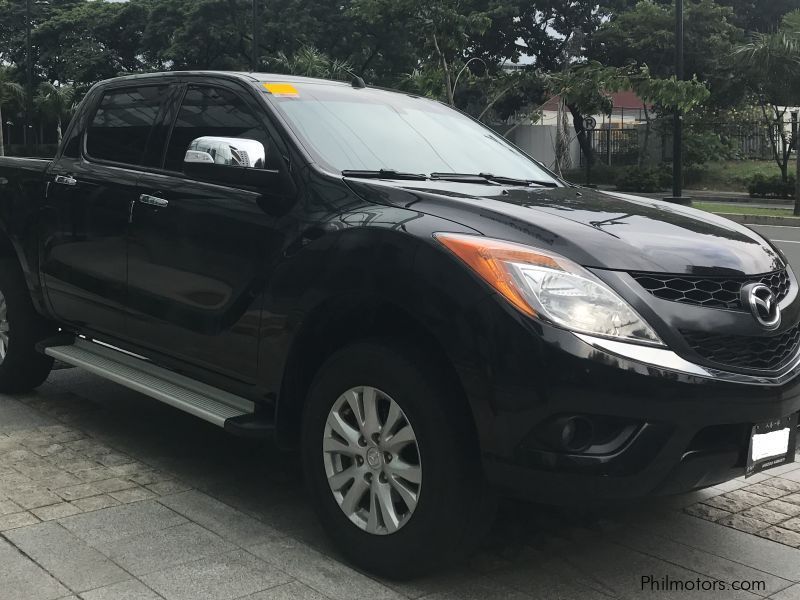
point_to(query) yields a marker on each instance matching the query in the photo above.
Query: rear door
(90, 194)
(199, 249)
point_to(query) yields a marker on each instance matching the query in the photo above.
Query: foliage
(707, 146)
(198, 34)
(310, 62)
(457, 51)
(762, 186)
(645, 34)
(440, 30)
(644, 179)
(545, 30)
(770, 68)
(55, 103)
(760, 15)
(586, 90)
(10, 92)
(590, 86)
(791, 22)
(90, 41)
(728, 175)
(602, 175)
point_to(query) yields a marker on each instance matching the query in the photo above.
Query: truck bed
(10, 164)
(21, 179)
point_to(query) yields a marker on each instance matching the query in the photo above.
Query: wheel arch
(342, 321)
(11, 250)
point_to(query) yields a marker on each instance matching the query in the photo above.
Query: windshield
(368, 129)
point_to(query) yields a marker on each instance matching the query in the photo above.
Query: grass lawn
(732, 175)
(742, 209)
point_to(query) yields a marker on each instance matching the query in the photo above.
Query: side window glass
(208, 111)
(123, 123)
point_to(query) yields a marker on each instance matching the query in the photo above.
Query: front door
(84, 254)
(199, 250)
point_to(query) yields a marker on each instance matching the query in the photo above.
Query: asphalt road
(786, 238)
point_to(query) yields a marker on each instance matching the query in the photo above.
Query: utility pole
(29, 68)
(255, 53)
(677, 132)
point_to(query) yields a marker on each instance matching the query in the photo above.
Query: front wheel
(391, 462)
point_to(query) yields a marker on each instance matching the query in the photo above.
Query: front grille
(710, 292)
(746, 352)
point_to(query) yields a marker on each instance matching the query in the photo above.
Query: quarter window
(209, 111)
(123, 123)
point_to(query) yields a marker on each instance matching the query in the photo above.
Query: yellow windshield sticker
(281, 89)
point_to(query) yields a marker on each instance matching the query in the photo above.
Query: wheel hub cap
(372, 460)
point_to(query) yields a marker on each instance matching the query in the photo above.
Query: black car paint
(276, 280)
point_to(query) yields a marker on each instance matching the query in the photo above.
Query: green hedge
(644, 179)
(764, 186)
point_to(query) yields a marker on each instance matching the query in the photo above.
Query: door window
(210, 111)
(123, 123)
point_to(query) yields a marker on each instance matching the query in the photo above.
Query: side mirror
(235, 161)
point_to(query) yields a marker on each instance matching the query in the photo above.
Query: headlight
(551, 287)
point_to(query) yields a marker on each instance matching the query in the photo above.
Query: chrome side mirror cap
(230, 152)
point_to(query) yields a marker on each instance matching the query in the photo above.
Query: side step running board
(209, 403)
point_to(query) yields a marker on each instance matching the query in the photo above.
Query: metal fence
(615, 146)
(625, 147)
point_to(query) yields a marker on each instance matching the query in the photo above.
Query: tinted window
(122, 124)
(208, 111)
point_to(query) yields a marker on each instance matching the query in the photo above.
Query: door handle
(65, 180)
(153, 201)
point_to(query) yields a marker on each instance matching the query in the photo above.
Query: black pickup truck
(426, 312)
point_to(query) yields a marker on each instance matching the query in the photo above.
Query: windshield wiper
(488, 177)
(384, 174)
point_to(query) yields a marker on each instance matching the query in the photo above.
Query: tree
(440, 31)
(10, 92)
(310, 62)
(770, 66)
(540, 31)
(762, 16)
(645, 34)
(13, 47)
(587, 89)
(55, 102)
(91, 41)
(199, 34)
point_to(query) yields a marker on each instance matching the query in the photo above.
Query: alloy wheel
(372, 460)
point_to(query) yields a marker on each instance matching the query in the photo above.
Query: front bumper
(679, 429)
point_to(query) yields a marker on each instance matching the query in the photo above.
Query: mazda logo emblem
(762, 304)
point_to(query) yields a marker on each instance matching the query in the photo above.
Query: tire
(453, 506)
(22, 368)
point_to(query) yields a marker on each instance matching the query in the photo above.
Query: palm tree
(55, 102)
(770, 63)
(310, 62)
(10, 91)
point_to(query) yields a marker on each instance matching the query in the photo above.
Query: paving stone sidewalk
(106, 494)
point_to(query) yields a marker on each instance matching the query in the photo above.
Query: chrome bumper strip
(667, 359)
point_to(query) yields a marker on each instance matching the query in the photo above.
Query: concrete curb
(762, 220)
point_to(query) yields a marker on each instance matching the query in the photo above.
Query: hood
(593, 228)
